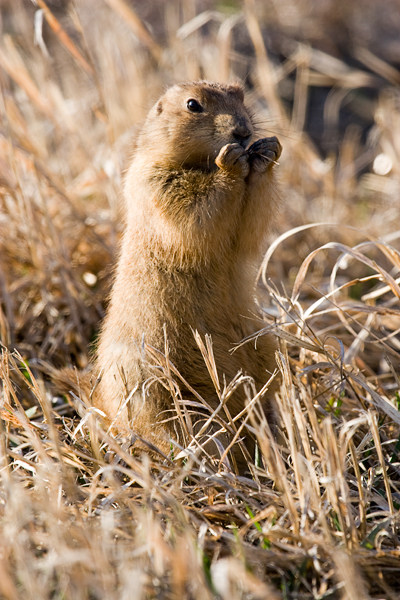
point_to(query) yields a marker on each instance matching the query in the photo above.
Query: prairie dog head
(192, 121)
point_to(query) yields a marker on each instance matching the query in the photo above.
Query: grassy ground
(81, 516)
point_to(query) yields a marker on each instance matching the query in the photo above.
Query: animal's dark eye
(193, 105)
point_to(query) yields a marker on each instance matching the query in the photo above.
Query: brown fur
(198, 206)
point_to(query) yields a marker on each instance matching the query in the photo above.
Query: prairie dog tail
(68, 380)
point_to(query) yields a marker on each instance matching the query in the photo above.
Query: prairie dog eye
(193, 105)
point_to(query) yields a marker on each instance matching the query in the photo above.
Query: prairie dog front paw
(263, 153)
(233, 158)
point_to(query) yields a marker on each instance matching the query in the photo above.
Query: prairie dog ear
(237, 89)
(159, 107)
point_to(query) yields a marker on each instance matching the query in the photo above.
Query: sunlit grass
(82, 513)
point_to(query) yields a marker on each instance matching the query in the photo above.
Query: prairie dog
(200, 195)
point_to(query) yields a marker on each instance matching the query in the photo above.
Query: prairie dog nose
(242, 133)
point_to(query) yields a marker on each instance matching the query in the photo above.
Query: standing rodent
(199, 201)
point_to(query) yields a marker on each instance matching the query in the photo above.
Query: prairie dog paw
(263, 153)
(233, 158)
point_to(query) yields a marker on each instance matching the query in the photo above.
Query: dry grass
(318, 515)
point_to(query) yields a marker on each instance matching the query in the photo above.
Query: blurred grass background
(81, 516)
